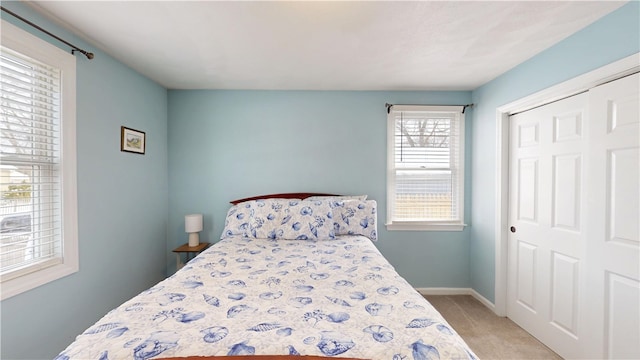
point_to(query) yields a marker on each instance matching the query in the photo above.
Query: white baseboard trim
(444, 291)
(483, 300)
(458, 291)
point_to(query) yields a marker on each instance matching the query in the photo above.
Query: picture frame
(132, 140)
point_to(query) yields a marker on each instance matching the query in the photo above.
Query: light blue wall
(613, 37)
(225, 145)
(122, 206)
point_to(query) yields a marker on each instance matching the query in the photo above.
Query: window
(425, 181)
(38, 206)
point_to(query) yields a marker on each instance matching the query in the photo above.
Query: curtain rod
(464, 107)
(89, 55)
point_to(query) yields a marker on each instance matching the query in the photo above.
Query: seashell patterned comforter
(334, 298)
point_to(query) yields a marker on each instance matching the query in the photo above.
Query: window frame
(25, 43)
(424, 225)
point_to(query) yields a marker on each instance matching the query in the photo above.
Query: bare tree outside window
(420, 132)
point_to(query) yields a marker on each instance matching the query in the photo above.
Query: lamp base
(194, 239)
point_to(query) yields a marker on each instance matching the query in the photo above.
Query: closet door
(574, 253)
(545, 291)
(613, 218)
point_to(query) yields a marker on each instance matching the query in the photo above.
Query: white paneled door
(573, 258)
(612, 229)
(547, 222)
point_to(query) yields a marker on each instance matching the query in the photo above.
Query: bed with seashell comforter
(269, 289)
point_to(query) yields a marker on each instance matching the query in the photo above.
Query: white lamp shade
(193, 223)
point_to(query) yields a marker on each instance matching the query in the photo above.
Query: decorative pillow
(237, 220)
(240, 216)
(265, 215)
(355, 217)
(291, 219)
(340, 197)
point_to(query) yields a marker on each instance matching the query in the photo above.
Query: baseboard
(483, 300)
(444, 291)
(458, 291)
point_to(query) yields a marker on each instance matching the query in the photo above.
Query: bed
(292, 276)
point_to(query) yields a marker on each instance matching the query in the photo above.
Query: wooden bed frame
(301, 195)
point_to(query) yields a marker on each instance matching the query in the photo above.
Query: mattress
(330, 298)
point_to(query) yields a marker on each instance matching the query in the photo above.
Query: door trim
(581, 83)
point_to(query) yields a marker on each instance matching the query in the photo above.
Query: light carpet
(488, 335)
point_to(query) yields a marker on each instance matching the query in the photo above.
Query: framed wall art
(132, 140)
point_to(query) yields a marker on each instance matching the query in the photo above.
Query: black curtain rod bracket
(389, 106)
(89, 55)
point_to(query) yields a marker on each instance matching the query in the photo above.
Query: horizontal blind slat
(15, 99)
(29, 87)
(32, 159)
(18, 114)
(38, 138)
(24, 65)
(15, 160)
(27, 79)
(14, 116)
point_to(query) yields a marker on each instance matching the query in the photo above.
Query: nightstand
(190, 251)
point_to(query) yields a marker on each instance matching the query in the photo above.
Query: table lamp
(193, 225)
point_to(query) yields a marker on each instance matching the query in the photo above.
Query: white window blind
(30, 153)
(425, 167)
(38, 216)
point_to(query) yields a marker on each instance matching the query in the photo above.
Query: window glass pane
(16, 215)
(423, 195)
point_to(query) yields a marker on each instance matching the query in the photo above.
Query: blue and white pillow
(355, 217)
(292, 219)
(265, 217)
(237, 220)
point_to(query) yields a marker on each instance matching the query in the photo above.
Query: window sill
(411, 226)
(18, 285)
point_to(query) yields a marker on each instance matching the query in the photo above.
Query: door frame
(581, 83)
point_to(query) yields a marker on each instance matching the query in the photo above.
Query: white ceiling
(419, 45)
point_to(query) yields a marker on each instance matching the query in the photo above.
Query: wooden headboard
(280, 196)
